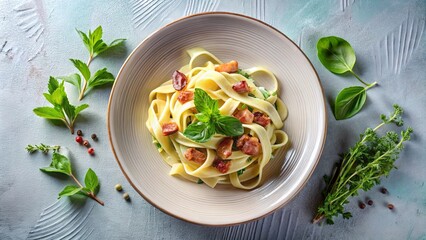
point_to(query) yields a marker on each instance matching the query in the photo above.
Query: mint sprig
(61, 164)
(210, 121)
(96, 46)
(62, 110)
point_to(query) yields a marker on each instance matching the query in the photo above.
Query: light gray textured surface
(37, 38)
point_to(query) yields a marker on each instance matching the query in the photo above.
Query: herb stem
(90, 194)
(83, 89)
(76, 180)
(357, 77)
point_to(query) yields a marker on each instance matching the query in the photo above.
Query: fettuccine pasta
(195, 143)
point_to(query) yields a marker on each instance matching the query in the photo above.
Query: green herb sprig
(61, 164)
(210, 121)
(42, 148)
(372, 157)
(62, 110)
(96, 46)
(338, 56)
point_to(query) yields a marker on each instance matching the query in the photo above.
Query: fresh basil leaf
(69, 190)
(199, 132)
(85, 39)
(59, 164)
(82, 67)
(228, 126)
(49, 113)
(80, 108)
(349, 102)
(202, 117)
(204, 103)
(53, 84)
(336, 54)
(73, 79)
(91, 180)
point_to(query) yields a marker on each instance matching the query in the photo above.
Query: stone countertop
(38, 37)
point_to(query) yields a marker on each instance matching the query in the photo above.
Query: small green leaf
(53, 84)
(85, 39)
(82, 67)
(68, 109)
(57, 97)
(336, 54)
(59, 164)
(204, 103)
(202, 117)
(69, 190)
(91, 180)
(49, 113)
(241, 171)
(264, 92)
(349, 102)
(96, 35)
(244, 74)
(101, 77)
(80, 108)
(229, 126)
(199, 132)
(116, 42)
(73, 79)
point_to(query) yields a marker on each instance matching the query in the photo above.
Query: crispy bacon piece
(229, 67)
(179, 80)
(169, 128)
(193, 154)
(185, 96)
(249, 145)
(261, 118)
(241, 87)
(221, 165)
(245, 116)
(224, 149)
(242, 140)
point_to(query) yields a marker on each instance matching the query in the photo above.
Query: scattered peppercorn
(391, 206)
(86, 143)
(79, 132)
(79, 139)
(370, 202)
(94, 137)
(91, 151)
(383, 190)
(126, 196)
(361, 205)
(118, 187)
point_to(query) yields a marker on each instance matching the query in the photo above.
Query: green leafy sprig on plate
(61, 164)
(372, 157)
(337, 55)
(210, 121)
(62, 110)
(96, 46)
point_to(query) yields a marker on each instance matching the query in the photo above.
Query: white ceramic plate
(228, 36)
